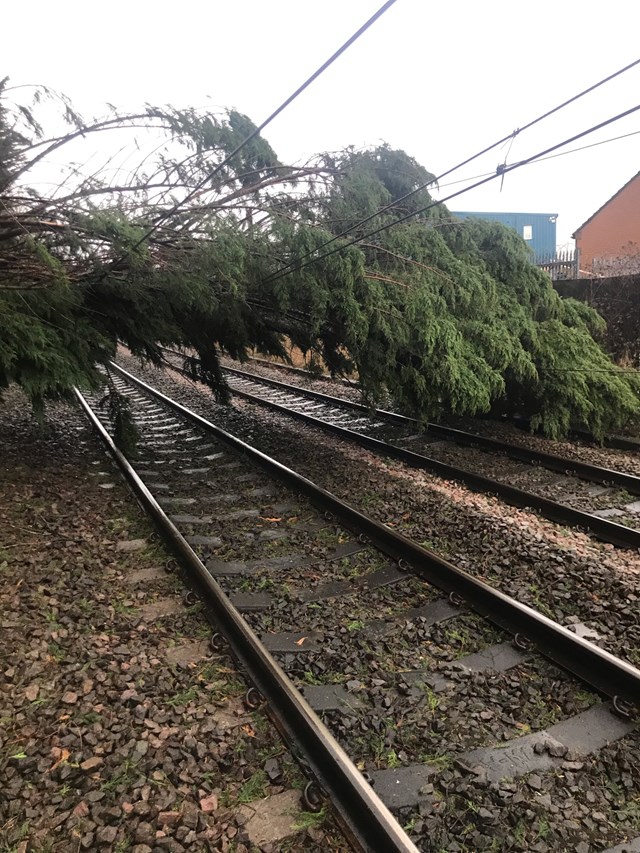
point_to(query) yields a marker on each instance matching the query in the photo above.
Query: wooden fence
(560, 265)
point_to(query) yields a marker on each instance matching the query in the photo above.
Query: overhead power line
(550, 157)
(497, 174)
(267, 121)
(294, 264)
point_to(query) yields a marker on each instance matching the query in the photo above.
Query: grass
(255, 583)
(310, 820)
(44, 846)
(431, 698)
(539, 603)
(259, 723)
(56, 651)
(254, 788)
(543, 827)
(584, 697)
(85, 606)
(392, 759)
(52, 619)
(123, 609)
(370, 499)
(20, 834)
(218, 689)
(89, 718)
(274, 751)
(184, 697)
(197, 631)
(630, 811)
(520, 832)
(457, 637)
(546, 713)
(327, 536)
(438, 762)
(124, 777)
(376, 743)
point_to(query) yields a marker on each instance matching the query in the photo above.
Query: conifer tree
(441, 315)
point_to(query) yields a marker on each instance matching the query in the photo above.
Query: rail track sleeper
(551, 461)
(607, 674)
(613, 441)
(608, 531)
(367, 822)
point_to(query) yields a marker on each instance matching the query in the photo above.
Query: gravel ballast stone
(570, 578)
(118, 731)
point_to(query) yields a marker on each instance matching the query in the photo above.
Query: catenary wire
(510, 137)
(550, 157)
(498, 173)
(267, 121)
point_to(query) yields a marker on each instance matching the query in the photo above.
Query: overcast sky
(440, 80)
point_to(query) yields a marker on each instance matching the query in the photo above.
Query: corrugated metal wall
(537, 229)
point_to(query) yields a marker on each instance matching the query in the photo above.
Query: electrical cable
(267, 121)
(551, 157)
(511, 136)
(502, 170)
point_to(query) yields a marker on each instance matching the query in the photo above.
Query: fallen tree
(179, 248)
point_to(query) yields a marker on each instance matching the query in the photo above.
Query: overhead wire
(508, 138)
(351, 40)
(498, 173)
(543, 159)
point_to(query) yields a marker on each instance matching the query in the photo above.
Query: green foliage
(443, 316)
(48, 343)
(125, 432)
(448, 316)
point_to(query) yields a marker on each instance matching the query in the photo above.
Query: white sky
(439, 79)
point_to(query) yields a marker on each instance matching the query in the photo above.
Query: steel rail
(309, 374)
(367, 820)
(583, 470)
(601, 528)
(619, 442)
(608, 674)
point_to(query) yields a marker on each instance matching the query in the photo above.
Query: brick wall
(612, 235)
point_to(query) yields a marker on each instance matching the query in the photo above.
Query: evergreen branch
(386, 278)
(408, 260)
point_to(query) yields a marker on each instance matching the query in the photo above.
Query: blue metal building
(537, 229)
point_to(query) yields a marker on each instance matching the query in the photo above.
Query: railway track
(389, 671)
(598, 500)
(618, 442)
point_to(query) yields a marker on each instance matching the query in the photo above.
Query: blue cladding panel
(537, 229)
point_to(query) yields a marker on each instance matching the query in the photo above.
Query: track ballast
(374, 648)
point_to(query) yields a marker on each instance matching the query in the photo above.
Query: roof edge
(602, 206)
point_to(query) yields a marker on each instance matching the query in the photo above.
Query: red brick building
(608, 243)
